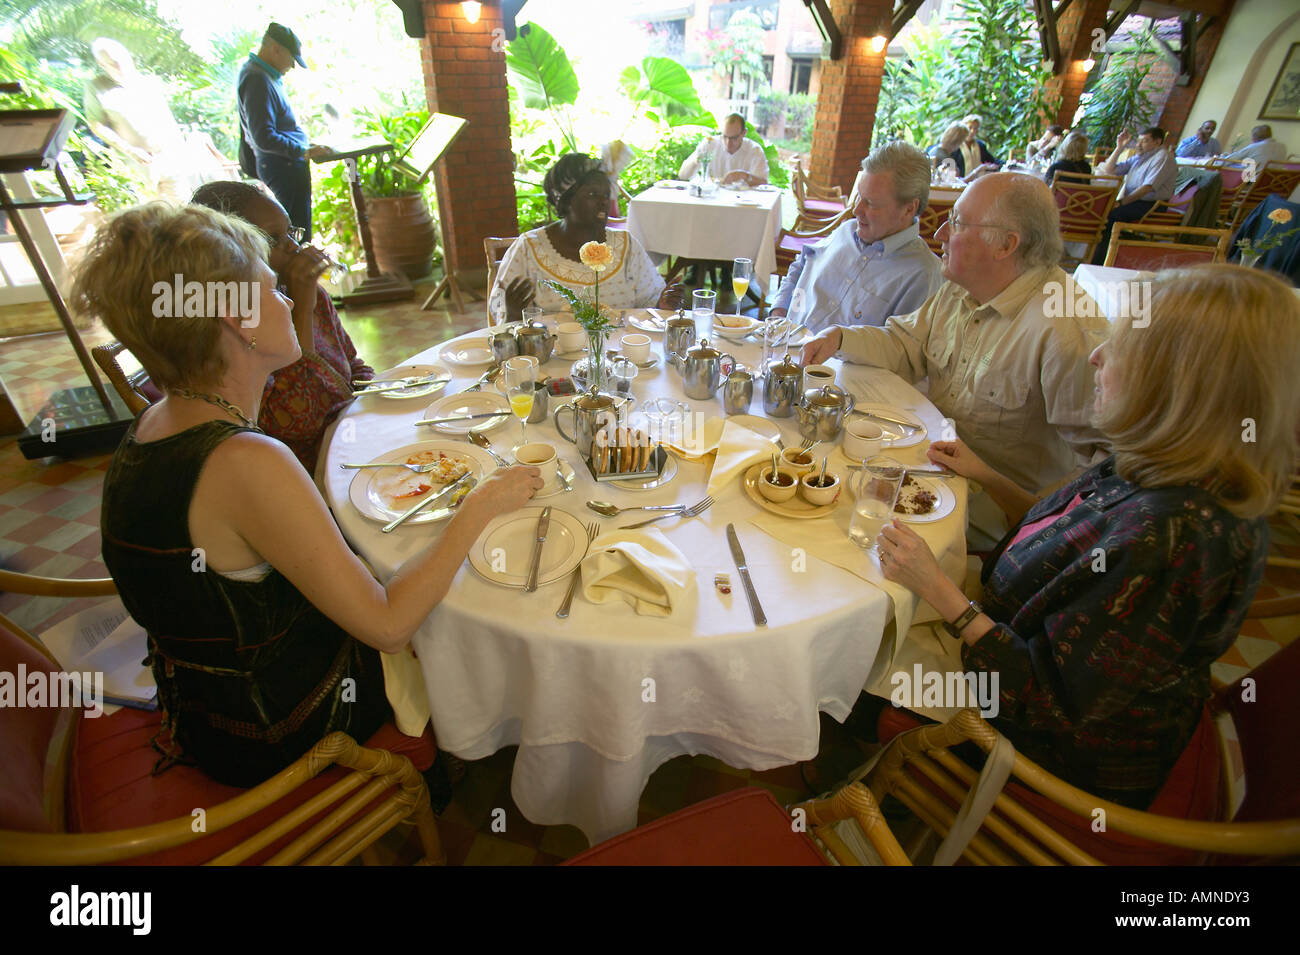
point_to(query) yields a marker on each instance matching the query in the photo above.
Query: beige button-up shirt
(1012, 374)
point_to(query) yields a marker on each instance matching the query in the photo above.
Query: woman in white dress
(578, 190)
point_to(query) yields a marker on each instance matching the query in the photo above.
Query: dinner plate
(645, 320)
(747, 201)
(894, 436)
(796, 507)
(467, 403)
(945, 501)
(412, 371)
(374, 491)
(473, 351)
(767, 187)
(502, 552)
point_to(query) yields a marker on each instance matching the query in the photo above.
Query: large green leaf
(540, 69)
(669, 85)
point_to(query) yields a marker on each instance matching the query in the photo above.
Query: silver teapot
(535, 339)
(679, 335)
(591, 412)
(702, 370)
(504, 344)
(782, 385)
(822, 412)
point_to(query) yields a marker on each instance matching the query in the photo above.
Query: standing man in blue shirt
(876, 264)
(1200, 143)
(272, 147)
(1148, 178)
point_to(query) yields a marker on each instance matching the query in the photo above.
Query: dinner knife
(877, 416)
(738, 555)
(384, 388)
(467, 417)
(543, 524)
(459, 482)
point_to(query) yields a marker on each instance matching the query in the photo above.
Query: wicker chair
(134, 388)
(300, 815)
(790, 242)
(1275, 178)
(934, 215)
(1146, 251)
(919, 770)
(1085, 208)
(495, 249)
(1234, 188)
(815, 199)
(1175, 211)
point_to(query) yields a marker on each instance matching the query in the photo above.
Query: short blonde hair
(972, 118)
(1210, 394)
(953, 137)
(1074, 147)
(139, 247)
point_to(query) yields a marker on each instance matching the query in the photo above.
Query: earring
(252, 343)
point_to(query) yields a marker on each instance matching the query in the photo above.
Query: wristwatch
(957, 626)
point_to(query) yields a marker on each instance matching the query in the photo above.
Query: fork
(414, 468)
(695, 510)
(807, 444)
(593, 531)
(484, 378)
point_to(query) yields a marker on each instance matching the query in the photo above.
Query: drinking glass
(876, 492)
(533, 313)
(742, 270)
(702, 309)
(520, 377)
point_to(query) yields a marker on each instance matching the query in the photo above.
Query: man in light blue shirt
(1263, 147)
(1201, 143)
(875, 265)
(1148, 178)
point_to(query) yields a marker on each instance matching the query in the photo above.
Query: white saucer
(894, 437)
(558, 488)
(473, 351)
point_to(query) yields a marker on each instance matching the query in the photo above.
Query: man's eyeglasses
(734, 139)
(956, 224)
(295, 235)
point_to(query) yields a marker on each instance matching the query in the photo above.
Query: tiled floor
(49, 524)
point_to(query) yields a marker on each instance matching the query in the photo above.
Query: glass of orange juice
(520, 375)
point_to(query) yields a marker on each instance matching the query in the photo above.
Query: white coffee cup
(862, 440)
(539, 455)
(818, 376)
(572, 336)
(636, 347)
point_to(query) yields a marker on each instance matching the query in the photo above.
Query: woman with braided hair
(578, 190)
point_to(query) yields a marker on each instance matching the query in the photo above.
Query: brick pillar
(465, 75)
(1173, 118)
(849, 92)
(1075, 31)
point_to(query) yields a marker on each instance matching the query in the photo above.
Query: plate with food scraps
(503, 552)
(796, 507)
(734, 327)
(895, 437)
(382, 494)
(648, 320)
(468, 403)
(433, 372)
(471, 351)
(924, 500)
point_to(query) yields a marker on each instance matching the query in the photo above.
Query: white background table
(722, 227)
(501, 669)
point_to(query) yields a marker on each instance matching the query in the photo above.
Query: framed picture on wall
(1283, 100)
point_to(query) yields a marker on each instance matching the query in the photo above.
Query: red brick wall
(464, 75)
(849, 93)
(1173, 118)
(1075, 30)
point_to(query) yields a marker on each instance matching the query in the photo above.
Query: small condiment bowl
(778, 493)
(802, 465)
(819, 496)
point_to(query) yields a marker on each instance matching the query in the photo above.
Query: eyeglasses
(956, 225)
(295, 235)
(734, 139)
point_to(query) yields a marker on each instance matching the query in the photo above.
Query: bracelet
(963, 621)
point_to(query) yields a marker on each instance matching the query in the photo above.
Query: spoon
(477, 438)
(612, 510)
(773, 477)
(822, 482)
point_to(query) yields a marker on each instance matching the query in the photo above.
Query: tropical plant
(540, 70)
(1118, 100)
(205, 98)
(736, 51)
(909, 91)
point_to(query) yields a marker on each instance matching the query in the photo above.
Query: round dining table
(596, 702)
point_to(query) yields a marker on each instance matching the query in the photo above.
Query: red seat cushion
(1192, 791)
(111, 786)
(24, 742)
(823, 205)
(1265, 726)
(744, 827)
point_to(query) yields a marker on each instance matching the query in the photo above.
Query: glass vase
(595, 361)
(1248, 259)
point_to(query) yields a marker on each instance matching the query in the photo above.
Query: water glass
(702, 310)
(875, 489)
(533, 313)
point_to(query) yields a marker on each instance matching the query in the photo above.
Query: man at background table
(1263, 147)
(732, 157)
(1004, 342)
(1148, 178)
(876, 264)
(272, 147)
(1200, 143)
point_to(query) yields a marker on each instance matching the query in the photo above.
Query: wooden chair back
(494, 250)
(1175, 211)
(934, 215)
(790, 241)
(1275, 179)
(1013, 834)
(1146, 247)
(1235, 187)
(110, 356)
(1084, 208)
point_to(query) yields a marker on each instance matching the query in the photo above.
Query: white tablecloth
(501, 669)
(721, 227)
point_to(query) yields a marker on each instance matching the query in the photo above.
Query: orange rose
(596, 256)
(1280, 216)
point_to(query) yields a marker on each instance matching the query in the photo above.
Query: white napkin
(738, 448)
(642, 569)
(700, 442)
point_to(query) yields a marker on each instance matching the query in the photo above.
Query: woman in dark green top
(263, 626)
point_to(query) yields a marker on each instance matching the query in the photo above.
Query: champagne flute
(742, 271)
(520, 376)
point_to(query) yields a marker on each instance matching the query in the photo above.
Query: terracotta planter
(404, 235)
